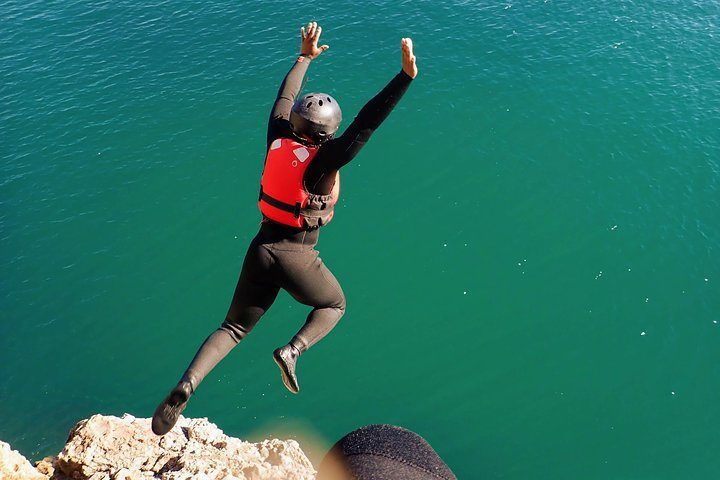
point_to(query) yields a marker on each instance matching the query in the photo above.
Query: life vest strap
(286, 207)
(296, 210)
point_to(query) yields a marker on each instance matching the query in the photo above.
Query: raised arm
(379, 107)
(292, 83)
(339, 151)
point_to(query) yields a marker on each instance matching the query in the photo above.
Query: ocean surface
(529, 245)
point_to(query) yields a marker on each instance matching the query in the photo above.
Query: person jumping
(299, 187)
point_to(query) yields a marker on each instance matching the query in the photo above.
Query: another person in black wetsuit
(299, 188)
(383, 452)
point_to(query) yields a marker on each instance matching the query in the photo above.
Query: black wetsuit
(284, 257)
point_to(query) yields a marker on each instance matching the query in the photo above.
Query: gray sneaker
(285, 357)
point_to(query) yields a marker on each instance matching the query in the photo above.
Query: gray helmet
(315, 116)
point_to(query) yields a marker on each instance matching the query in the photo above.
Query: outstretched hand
(408, 57)
(309, 40)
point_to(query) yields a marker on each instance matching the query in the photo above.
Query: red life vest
(283, 196)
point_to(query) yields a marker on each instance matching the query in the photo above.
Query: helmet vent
(329, 100)
(308, 105)
(320, 102)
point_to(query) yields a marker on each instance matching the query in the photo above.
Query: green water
(539, 298)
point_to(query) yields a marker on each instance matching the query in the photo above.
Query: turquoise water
(539, 298)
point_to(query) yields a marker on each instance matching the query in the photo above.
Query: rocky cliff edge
(112, 448)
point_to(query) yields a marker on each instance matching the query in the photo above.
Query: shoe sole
(284, 373)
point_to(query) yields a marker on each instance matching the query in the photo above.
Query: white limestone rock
(111, 448)
(13, 466)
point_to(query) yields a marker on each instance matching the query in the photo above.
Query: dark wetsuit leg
(254, 294)
(275, 259)
(304, 275)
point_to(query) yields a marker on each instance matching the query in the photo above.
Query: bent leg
(309, 281)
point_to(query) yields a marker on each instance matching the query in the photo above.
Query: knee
(335, 303)
(235, 331)
(340, 303)
(239, 323)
